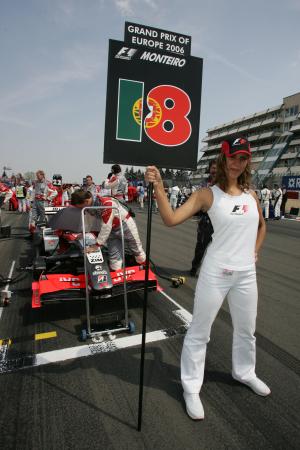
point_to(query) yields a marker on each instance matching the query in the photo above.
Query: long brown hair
(244, 179)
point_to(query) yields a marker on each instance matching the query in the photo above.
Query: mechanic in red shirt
(5, 194)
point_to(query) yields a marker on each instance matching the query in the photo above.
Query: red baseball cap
(235, 146)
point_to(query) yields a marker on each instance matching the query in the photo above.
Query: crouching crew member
(110, 232)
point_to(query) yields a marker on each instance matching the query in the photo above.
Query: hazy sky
(53, 56)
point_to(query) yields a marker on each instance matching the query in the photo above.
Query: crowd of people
(275, 198)
(32, 196)
(111, 195)
(26, 196)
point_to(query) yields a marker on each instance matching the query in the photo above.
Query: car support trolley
(96, 258)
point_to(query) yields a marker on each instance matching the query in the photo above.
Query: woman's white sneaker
(194, 406)
(257, 386)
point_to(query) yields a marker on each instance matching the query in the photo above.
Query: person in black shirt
(205, 228)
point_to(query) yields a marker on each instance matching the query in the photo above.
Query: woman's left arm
(261, 231)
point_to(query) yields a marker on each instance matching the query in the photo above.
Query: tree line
(166, 174)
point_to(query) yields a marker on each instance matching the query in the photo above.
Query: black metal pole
(142, 363)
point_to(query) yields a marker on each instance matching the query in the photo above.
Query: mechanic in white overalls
(117, 183)
(277, 201)
(174, 196)
(265, 194)
(228, 268)
(43, 192)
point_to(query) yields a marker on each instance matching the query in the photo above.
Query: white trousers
(141, 201)
(277, 209)
(213, 285)
(38, 211)
(266, 207)
(173, 202)
(22, 204)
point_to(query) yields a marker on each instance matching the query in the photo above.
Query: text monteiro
(164, 59)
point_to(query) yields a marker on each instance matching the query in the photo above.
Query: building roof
(244, 118)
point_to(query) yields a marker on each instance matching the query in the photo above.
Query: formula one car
(60, 265)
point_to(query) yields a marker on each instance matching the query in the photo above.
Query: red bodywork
(62, 283)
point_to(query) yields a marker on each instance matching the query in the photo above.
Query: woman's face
(235, 165)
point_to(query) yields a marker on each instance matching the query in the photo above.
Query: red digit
(167, 124)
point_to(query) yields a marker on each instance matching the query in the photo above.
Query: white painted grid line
(65, 354)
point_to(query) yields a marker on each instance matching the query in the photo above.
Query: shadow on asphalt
(159, 374)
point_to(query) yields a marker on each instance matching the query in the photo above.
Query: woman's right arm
(198, 200)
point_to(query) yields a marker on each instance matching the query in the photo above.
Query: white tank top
(235, 221)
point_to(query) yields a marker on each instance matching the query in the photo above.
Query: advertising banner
(291, 183)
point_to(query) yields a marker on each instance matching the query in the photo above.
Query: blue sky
(54, 64)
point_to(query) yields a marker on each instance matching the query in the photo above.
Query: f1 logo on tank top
(239, 210)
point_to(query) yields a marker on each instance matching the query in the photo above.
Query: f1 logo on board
(239, 141)
(126, 53)
(239, 210)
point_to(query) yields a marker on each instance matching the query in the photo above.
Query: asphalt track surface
(91, 402)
